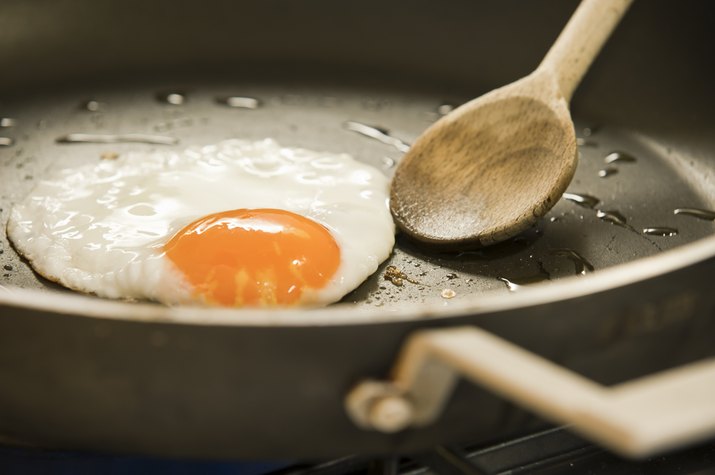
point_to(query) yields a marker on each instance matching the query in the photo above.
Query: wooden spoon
(490, 168)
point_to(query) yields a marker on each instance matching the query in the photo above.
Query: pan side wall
(184, 390)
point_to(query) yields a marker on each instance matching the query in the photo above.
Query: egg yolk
(254, 257)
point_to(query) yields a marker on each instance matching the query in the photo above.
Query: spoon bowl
(489, 169)
(450, 188)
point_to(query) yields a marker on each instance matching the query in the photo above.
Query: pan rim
(434, 309)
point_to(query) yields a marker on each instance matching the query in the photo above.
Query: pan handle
(636, 419)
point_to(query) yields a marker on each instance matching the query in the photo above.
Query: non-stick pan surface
(230, 385)
(571, 240)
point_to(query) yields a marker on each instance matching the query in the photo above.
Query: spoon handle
(581, 40)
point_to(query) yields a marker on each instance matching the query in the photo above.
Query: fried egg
(237, 223)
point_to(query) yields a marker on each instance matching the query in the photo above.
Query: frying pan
(81, 372)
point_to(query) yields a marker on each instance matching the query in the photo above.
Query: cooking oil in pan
(448, 294)
(559, 247)
(514, 284)
(582, 142)
(587, 201)
(581, 265)
(117, 138)
(378, 133)
(238, 102)
(388, 162)
(513, 287)
(612, 216)
(606, 172)
(589, 131)
(696, 213)
(660, 231)
(619, 157)
(172, 98)
(92, 106)
(445, 108)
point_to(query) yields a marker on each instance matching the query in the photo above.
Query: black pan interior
(570, 240)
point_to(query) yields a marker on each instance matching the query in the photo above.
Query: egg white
(100, 228)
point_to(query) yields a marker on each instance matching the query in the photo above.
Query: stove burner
(550, 452)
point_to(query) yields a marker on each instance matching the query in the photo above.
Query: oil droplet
(513, 287)
(612, 216)
(448, 294)
(6, 141)
(587, 201)
(388, 162)
(7, 122)
(445, 109)
(553, 219)
(173, 98)
(660, 231)
(581, 142)
(542, 275)
(396, 277)
(589, 131)
(238, 102)
(92, 106)
(608, 171)
(619, 157)
(581, 265)
(696, 213)
(378, 133)
(118, 138)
